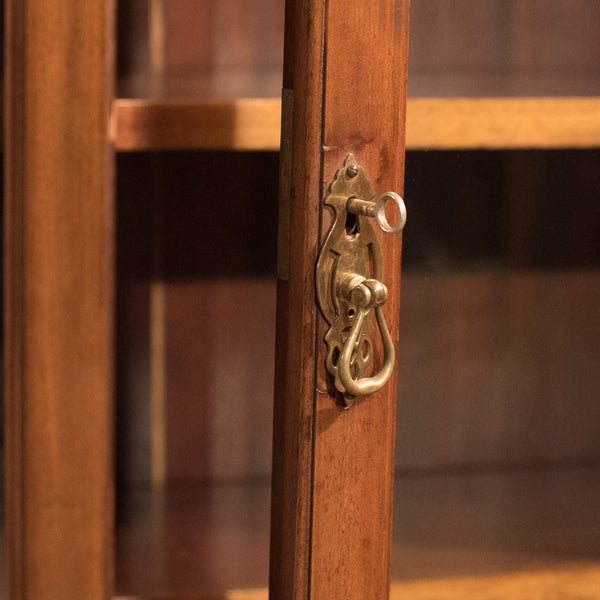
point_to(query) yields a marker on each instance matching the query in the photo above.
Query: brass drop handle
(349, 283)
(365, 294)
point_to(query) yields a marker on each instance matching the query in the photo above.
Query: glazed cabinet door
(344, 102)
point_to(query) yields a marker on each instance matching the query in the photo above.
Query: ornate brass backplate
(349, 284)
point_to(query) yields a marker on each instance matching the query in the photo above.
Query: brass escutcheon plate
(350, 248)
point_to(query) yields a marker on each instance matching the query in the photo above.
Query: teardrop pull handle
(365, 294)
(349, 283)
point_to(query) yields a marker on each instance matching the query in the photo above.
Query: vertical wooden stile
(58, 303)
(344, 91)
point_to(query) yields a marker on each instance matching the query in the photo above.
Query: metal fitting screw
(352, 171)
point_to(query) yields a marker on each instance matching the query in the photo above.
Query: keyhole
(351, 225)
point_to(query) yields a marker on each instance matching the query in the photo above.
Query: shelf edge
(503, 123)
(432, 124)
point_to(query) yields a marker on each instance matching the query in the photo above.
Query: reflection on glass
(498, 412)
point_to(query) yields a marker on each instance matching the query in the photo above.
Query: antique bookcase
(140, 245)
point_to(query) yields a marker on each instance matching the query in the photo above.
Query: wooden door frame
(58, 298)
(344, 91)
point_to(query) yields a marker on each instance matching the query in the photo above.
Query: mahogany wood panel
(345, 67)
(219, 391)
(133, 37)
(364, 110)
(300, 192)
(219, 264)
(59, 299)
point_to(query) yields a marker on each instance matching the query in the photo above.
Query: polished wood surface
(353, 460)
(431, 124)
(243, 124)
(468, 533)
(298, 237)
(58, 299)
(497, 123)
(57, 286)
(330, 500)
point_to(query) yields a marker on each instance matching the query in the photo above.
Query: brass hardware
(377, 210)
(349, 284)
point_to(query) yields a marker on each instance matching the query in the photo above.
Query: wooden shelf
(432, 123)
(503, 123)
(474, 534)
(245, 124)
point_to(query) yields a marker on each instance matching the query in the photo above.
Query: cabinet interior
(497, 454)
(498, 463)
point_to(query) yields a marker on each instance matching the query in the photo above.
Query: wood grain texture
(431, 124)
(498, 123)
(293, 420)
(243, 124)
(344, 100)
(364, 113)
(58, 299)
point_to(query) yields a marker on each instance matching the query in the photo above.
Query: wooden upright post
(58, 303)
(344, 92)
